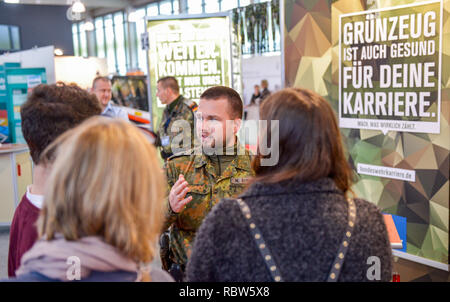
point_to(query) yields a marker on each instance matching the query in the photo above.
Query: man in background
(101, 87)
(251, 111)
(177, 108)
(49, 111)
(265, 91)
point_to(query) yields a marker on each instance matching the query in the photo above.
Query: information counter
(15, 176)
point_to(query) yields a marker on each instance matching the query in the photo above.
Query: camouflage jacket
(184, 110)
(206, 189)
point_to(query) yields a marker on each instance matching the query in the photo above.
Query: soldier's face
(161, 93)
(214, 125)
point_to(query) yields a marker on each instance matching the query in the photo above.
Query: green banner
(194, 51)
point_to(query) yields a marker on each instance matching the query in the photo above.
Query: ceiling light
(12, 1)
(58, 52)
(78, 7)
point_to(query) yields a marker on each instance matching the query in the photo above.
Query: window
(165, 7)
(212, 6)
(100, 37)
(9, 37)
(195, 6)
(5, 43)
(76, 44)
(243, 2)
(113, 34)
(110, 44)
(176, 7)
(83, 40)
(153, 9)
(121, 56)
(272, 39)
(140, 29)
(15, 37)
(228, 4)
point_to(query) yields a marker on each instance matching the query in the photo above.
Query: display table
(15, 175)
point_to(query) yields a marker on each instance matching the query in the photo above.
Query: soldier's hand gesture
(177, 194)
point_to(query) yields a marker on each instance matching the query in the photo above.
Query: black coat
(303, 226)
(264, 94)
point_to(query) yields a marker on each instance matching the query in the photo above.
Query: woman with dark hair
(296, 221)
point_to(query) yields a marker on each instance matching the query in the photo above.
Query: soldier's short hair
(234, 99)
(99, 78)
(170, 82)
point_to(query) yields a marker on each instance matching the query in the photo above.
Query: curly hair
(51, 110)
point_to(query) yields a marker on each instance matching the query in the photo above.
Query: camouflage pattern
(184, 110)
(206, 189)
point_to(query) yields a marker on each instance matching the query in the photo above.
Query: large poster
(404, 172)
(194, 51)
(390, 68)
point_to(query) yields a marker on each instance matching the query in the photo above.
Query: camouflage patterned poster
(404, 172)
(194, 51)
(390, 68)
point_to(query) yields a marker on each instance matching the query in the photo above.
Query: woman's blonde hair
(105, 181)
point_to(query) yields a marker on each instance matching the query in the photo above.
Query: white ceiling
(87, 3)
(94, 7)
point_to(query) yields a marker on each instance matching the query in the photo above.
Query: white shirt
(36, 200)
(115, 111)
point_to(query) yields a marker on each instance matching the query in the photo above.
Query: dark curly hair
(50, 110)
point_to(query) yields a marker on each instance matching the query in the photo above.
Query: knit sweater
(23, 233)
(303, 225)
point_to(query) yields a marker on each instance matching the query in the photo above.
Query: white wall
(36, 57)
(67, 69)
(79, 70)
(257, 68)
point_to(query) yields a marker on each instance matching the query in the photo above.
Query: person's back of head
(171, 83)
(167, 89)
(105, 182)
(264, 84)
(51, 110)
(310, 145)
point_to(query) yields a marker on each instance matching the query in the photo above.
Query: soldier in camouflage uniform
(177, 108)
(197, 179)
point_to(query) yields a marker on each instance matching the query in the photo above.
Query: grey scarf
(51, 258)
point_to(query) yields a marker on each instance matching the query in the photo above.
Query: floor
(4, 245)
